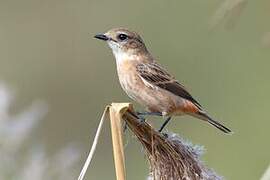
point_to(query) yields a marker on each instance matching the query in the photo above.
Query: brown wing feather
(156, 75)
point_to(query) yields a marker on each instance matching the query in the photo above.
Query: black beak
(102, 37)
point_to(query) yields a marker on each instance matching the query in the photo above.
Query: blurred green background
(47, 52)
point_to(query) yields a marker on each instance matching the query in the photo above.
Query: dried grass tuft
(170, 157)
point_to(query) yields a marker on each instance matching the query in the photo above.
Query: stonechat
(148, 83)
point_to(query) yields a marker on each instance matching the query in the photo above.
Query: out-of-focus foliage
(47, 51)
(266, 175)
(21, 161)
(266, 39)
(228, 13)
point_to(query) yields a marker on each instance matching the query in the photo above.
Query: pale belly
(153, 98)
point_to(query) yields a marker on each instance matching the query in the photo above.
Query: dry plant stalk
(170, 157)
(116, 112)
(94, 145)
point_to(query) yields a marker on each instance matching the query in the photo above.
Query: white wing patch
(148, 84)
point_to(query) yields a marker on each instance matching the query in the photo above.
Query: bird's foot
(141, 116)
(165, 135)
(142, 119)
(125, 127)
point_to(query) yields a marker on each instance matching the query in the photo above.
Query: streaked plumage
(156, 75)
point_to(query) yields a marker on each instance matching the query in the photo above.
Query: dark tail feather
(214, 123)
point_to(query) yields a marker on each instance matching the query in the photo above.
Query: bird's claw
(125, 127)
(142, 119)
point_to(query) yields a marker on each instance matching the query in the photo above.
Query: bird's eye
(122, 37)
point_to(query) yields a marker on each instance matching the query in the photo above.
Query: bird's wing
(154, 74)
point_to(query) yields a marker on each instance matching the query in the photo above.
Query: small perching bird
(146, 82)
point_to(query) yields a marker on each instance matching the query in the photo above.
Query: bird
(145, 81)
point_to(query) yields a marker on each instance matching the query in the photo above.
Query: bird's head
(123, 42)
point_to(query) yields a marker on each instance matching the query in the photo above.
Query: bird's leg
(142, 114)
(164, 124)
(149, 113)
(125, 127)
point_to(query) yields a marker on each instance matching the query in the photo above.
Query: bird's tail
(202, 115)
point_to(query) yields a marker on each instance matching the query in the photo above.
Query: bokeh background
(220, 50)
